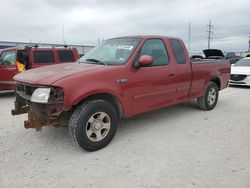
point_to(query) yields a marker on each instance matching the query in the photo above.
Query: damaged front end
(44, 105)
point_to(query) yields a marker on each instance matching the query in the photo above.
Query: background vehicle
(232, 57)
(32, 57)
(218, 54)
(8, 68)
(213, 54)
(240, 72)
(120, 78)
(2, 61)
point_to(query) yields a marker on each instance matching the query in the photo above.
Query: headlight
(41, 95)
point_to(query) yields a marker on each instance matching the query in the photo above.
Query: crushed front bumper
(54, 113)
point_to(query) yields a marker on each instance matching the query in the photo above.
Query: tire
(93, 124)
(210, 98)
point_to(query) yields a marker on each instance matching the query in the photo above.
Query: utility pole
(64, 42)
(210, 32)
(249, 43)
(189, 36)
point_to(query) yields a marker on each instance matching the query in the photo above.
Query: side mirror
(145, 60)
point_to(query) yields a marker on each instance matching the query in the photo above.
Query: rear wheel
(93, 124)
(210, 98)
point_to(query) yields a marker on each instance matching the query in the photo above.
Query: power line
(210, 32)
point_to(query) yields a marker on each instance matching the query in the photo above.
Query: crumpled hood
(240, 70)
(47, 75)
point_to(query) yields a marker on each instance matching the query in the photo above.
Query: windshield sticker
(125, 47)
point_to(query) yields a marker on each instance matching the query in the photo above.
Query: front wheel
(210, 98)
(93, 124)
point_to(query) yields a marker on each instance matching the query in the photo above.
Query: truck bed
(205, 69)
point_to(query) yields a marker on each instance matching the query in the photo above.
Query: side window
(44, 57)
(178, 51)
(8, 57)
(65, 56)
(156, 49)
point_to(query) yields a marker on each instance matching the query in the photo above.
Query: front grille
(25, 90)
(237, 77)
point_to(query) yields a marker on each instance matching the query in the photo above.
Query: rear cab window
(44, 57)
(65, 56)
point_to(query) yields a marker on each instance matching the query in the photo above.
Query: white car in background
(240, 72)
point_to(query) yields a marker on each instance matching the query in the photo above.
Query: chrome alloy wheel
(211, 96)
(98, 126)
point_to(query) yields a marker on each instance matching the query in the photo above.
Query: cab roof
(147, 37)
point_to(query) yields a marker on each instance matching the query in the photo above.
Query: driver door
(153, 86)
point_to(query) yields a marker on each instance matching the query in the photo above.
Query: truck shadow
(56, 139)
(240, 87)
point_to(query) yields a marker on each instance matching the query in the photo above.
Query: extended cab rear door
(183, 77)
(153, 86)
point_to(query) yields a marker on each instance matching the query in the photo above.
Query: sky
(84, 21)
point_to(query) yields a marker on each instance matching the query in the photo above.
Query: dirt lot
(179, 146)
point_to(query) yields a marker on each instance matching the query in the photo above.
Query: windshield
(1, 61)
(111, 52)
(243, 62)
(9, 57)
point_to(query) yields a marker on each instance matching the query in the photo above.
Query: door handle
(172, 74)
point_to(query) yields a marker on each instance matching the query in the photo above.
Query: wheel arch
(107, 97)
(217, 81)
(214, 79)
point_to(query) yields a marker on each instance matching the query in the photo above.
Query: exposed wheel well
(107, 97)
(217, 81)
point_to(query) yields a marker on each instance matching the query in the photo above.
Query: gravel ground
(179, 146)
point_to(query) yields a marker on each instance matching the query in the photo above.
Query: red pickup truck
(32, 57)
(120, 78)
